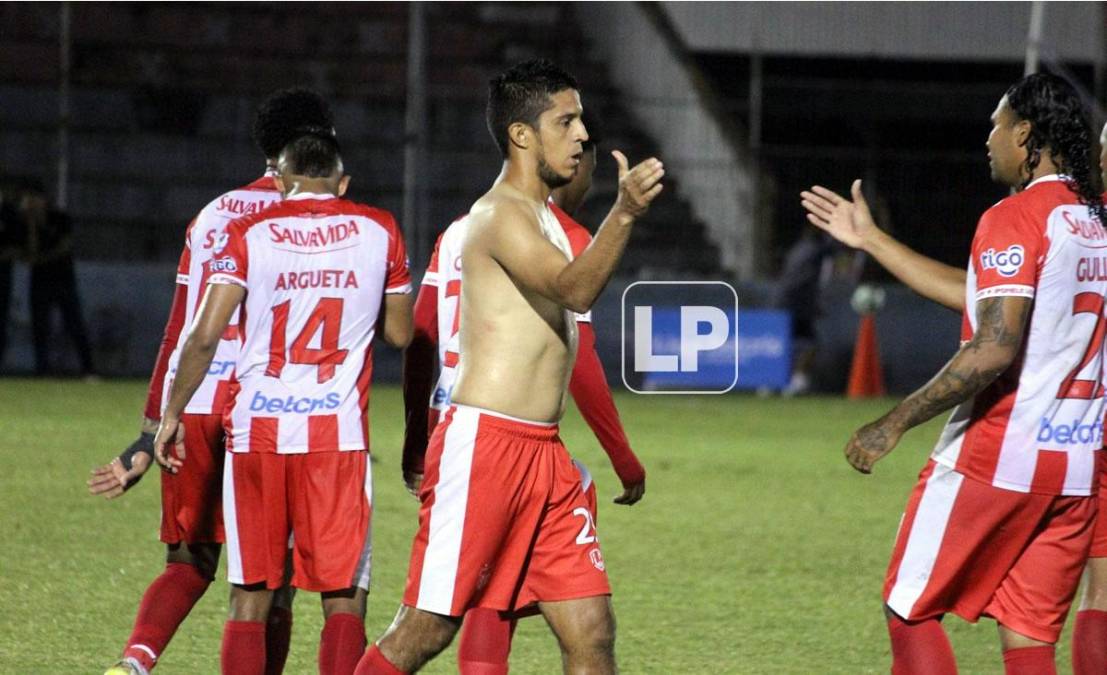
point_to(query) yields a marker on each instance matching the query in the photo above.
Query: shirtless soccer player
(191, 507)
(486, 634)
(1001, 520)
(316, 276)
(499, 525)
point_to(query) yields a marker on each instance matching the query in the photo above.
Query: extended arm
(169, 340)
(220, 302)
(851, 223)
(418, 381)
(536, 264)
(396, 319)
(123, 472)
(593, 397)
(1000, 325)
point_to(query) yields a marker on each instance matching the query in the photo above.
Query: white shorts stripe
(364, 570)
(230, 523)
(447, 515)
(585, 475)
(924, 539)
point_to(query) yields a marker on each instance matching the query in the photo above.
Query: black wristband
(144, 443)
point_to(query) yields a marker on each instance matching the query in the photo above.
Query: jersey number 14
(327, 316)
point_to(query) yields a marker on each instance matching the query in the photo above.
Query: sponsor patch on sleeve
(1007, 262)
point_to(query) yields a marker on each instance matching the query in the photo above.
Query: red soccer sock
(485, 643)
(374, 663)
(243, 650)
(166, 603)
(1089, 643)
(278, 634)
(341, 644)
(920, 648)
(1029, 661)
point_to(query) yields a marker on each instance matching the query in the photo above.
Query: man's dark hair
(314, 153)
(1059, 122)
(284, 112)
(521, 94)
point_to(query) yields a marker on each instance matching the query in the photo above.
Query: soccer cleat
(127, 667)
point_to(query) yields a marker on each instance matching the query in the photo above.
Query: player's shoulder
(499, 209)
(246, 200)
(382, 217)
(454, 231)
(1021, 208)
(1038, 199)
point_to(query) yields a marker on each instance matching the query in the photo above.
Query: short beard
(551, 178)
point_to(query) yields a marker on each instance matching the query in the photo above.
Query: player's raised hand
(123, 472)
(169, 444)
(631, 494)
(850, 222)
(870, 444)
(638, 186)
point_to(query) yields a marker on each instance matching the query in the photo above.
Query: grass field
(755, 550)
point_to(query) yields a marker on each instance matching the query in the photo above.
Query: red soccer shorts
(191, 504)
(975, 550)
(504, 521)
(1099, 540)
(324, 499)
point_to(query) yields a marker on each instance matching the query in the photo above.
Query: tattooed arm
(1000, 324)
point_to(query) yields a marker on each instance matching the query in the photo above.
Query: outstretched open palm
(850, 222)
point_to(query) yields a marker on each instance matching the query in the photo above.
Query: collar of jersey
(1046, 178)
(308, 195)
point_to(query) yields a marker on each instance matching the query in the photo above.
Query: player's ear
(1022, 132)
(519, 134)
(343, 185)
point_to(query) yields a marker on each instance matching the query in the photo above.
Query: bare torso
(517, 346)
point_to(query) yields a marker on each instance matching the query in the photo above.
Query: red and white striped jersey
(1037, 428)
(316, 269)
(204, 234)
(444, 273)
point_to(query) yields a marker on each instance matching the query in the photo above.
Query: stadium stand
(162, 94)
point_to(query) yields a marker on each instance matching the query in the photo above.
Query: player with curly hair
(192, 519)
(1002, 517)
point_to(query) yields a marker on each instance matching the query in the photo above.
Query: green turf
(755, 550)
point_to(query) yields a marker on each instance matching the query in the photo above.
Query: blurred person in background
(53, 278)
(799, 288)
(12, 242)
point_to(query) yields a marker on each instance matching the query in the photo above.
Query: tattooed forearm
(1000, 325)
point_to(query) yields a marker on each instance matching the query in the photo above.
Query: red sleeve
(1007, 250)
(168, 343)
(430, 277)
(185, 263)
(419, 360)
(593, 397)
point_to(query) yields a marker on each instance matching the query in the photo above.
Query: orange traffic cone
(865, 375)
